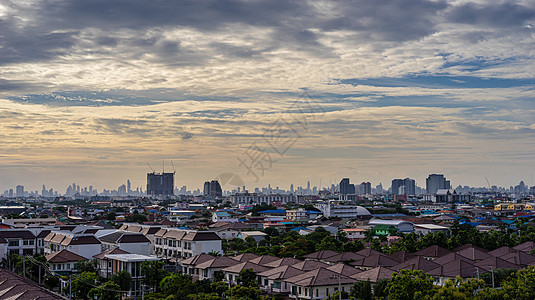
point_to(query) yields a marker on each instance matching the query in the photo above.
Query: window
(68, 266)
(317, 293)
(25, 242)
(13, 242)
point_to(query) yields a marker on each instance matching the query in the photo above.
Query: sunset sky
(90, 91)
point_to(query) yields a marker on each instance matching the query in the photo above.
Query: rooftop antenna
(163, 167)
(151, 168)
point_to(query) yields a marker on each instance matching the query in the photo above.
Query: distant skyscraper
(206, 190)
(346, 188)
(128, 186)
(160, 184)
(365, 188)
(19, 191)
(409, 186)
(435, 182)
(215, 189)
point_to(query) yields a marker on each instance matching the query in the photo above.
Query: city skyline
(266, 90)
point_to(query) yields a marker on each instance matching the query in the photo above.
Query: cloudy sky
(271, 91)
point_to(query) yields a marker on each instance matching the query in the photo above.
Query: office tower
(346, 188)
(409, 186)
(379, 188)
(435, 182)
(10, 193)
(206, 190)
(160, 184)
(215, 189)
(19, 191)
(128, 186)
(365, 188)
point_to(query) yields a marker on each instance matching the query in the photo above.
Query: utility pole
(39, 274)
(24, 266)
(492, 273)
(70, 286)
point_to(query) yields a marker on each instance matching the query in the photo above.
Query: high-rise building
(215, 189)
(128, 186)
(409, 186)
(19, 191)
(435, 182)
(160, 184)
(346, 188)
(206, 190)
(365, 188)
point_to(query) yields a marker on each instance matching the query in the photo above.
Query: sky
(258, 92)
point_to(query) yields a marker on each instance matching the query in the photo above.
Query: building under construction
(160, 184)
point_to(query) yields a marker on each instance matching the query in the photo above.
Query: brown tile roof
(173, 234)
(15, 287)
(432, 251)
(201, 236)
(400, 256)
(245, 257)
(43, 234)
(264, 259)
(452, 256)
(308, 265)
(497, 263)
(49, 237)
(343, 257)
(520, 258)
(102, 255)
(285, 261)
(466, 246)
(150, 230)
(456, 268)
(133, 238)
(64, 256)
(526, 246)
(20, 234)
(323, 254)
(281, 272)
(245, 265)
(375, 261)
(218, 262)
(344, 269)
(320, 277)
(160, 232)
(197, 259)
(374, 275)
(502, 251)
(80, 240)
(368, 252)
(474, 253)
(416, 263)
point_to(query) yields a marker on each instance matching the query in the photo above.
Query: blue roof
(508, 222)
(299, 228)
(388, 215)
(273, 211)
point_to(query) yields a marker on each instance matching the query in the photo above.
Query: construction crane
(173, 165)
(488, 183)
(151, 168)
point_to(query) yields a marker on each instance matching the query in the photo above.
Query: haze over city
(90, 91)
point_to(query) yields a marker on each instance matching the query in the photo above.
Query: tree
(459, 289)
(219, 287)
(329, 243)
(87, 266)
(111, 215)
(247, 277)
(136, 218)
(83, 283)
(239, 292)
(123, 279)
(153, 273)
(521, 285)
(177, 284)
(108, 291)
(408, 285)
(361, 290)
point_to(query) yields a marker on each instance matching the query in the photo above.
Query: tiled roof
(281, 272)
(201, 236)
(81, 240)
(502, 251)
(197, 259)
(323, 254)
(102, 255)
(245, 265)
(285, 261)
(245, 257)
(15, 287)
(124, 237)
(456, 268)
(401, 256)
(218, 262)
(344, 269)
(452, 256)
(374, 275)
(43, 234)
(432, 251)
(320, 277)
(375, 261)
(520, 258)
(526, 246)
(474, 253)
(14, 234)
(64, 256)
(264, 259)
(343, 257)
(308, 265)
(416, 263)
(368, 252)
(497, 263)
